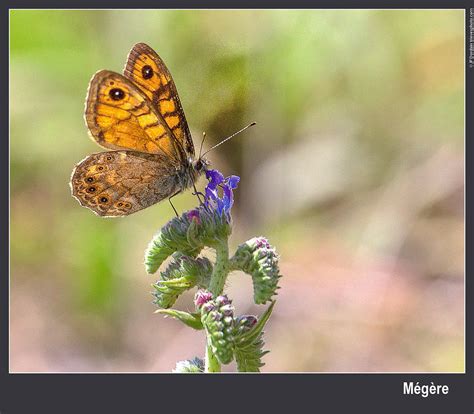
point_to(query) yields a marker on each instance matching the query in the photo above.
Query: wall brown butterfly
(139, 117)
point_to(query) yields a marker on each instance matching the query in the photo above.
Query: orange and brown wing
(146, 69)
(119, 183)
(120, 116)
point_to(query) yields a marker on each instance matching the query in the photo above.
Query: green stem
(216, 287)
(211, 363)
(235, 263)
(221, 269)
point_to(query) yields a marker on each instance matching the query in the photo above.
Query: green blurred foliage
(391, 80)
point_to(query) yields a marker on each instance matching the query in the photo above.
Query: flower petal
(232, 181)
(228, 198)
(212, 200)
(215, 178)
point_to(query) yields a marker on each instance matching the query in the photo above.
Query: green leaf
(248, 345)
(167, 291)
(190, 319)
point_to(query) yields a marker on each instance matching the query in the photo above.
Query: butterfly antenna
(202, 142)
(227, 139)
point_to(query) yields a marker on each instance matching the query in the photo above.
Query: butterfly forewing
(120, 116)
(146, 69)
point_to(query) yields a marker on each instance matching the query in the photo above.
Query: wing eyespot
(147, 72)
(117, 94)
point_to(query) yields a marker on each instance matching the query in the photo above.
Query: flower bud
(181, 274)
(259, 259)
(217, 319)
(201, 297)
(244, 323)
(195, 365)
(173, 237)
(211, 229)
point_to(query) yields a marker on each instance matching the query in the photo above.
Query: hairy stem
(211, 363)
(221, 269)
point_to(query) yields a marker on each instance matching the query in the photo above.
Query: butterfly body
(137, 115)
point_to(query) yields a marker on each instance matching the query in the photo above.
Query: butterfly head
(200, 165)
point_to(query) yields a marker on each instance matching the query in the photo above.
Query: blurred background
(355, 172)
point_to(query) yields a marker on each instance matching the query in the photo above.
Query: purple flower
(216, 179)
(202, 297)
(262, 242)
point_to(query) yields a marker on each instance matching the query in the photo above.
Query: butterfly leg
(197, 193)
(169, 199)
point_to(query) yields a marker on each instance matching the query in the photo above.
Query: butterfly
(138, 115)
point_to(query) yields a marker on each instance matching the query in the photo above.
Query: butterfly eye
(116, 94)
(147, 72)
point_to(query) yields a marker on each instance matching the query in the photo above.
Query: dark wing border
(143, 48)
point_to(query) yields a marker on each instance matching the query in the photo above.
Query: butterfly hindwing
(146, 69)
(119, 183)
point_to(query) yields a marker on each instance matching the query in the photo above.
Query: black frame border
(325, 393)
